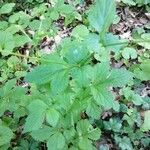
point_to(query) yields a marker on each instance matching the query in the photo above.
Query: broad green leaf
(56, 142)
(113, 43)
(146, 124)
(34, 25)
(93, 110)
(7, 8)
(143, 71)
(12, 29)
(93, 42)
(102, 55)
(124, 143)
(60, 81)
(65, 9)
(102, 97)
(21, 40)
(80, 31)
(85, 144)
(113, 124)
(13, 18)
(82, 75)
(100, 72)
(101, 15)
(69, 134)
(3, 25)
(83, 126)
(76, 54)
(13, 61)
(52, 116)
(129, 2)
(53, 58)
(37, 110)
(132, 96)
(5, 135)
(94, 134)
(86, 130)
(145, 38)
(6, 42)
(42, 134)
(119, 77)
(43, 73)
(129, 52)
(51, 66)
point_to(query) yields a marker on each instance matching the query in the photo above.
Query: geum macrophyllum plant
(72, 86)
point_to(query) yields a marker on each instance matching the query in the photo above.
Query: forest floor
(29, 32)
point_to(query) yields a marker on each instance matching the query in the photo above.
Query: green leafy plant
(72, 98)
(73, 75)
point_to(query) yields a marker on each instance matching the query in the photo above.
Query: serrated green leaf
(113, 43)
(129, 2)
(129, 52)
(113, 124)
(52, 116)
(56, 142)
(5, 135)
(50, 67)
(76, 54)
(83, 127)
(80, 31)
(143, 71)
(146, 40)
(42, 134)
(3, 25)
(37, 110)
(124, 143)
(44, 73)
(21, 40)
(100, 72)
(146, 124)
(82, 75)
(94, 134)
(101, 15)
(86, 130)
(85, 144)
(93, 42)
(7, 8)
(60, 81)
(93, 110)
(69, 134)
(132, 96)
(6, 42)
(102, 97)
(119, 77)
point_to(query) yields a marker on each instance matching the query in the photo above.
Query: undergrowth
(74, 98)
